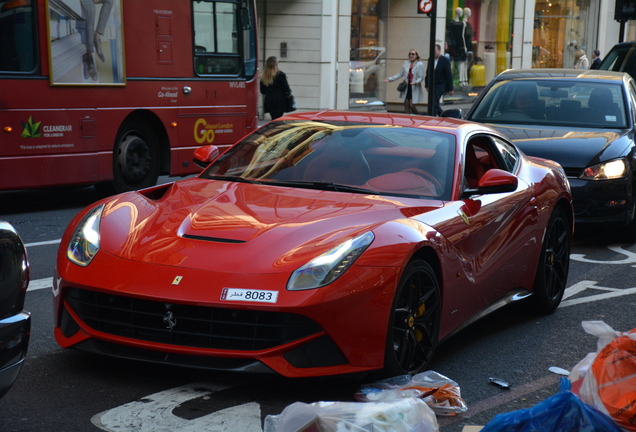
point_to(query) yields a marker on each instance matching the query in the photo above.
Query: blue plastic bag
(563, 412)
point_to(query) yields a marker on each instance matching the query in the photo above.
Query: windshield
(553, 102)
(343, 156)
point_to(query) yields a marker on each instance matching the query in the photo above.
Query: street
(68, 390)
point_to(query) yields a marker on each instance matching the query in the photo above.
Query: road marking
(39, 284)
(631, 256)
(43, 243)
(154, 413)
(585, 285)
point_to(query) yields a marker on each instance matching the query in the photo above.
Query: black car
(621, 58)
(15, 323)
(583, 120)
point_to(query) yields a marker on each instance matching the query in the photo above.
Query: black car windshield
(574, 103)
(344, 157)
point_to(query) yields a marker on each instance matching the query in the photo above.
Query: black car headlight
(329, 266)
(84, 243)
(611, 170)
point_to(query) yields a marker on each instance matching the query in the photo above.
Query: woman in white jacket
(580, 60)
(412, 73)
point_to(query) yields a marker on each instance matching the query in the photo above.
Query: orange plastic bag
(439, 392)
(607, 379)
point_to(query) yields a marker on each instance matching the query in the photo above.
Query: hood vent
(212, 239)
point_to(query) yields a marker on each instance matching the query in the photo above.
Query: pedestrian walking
(412, 74)
(580, 60)
(596, 59)
(274, 88)
(443, 79)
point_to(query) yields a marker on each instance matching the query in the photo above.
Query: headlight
(329, 266)
(84, 243)
(606, 171)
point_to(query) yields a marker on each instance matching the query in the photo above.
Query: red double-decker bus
(118, 92)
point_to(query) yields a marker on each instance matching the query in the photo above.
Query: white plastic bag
(606, 379)
(404, 415)
(439, 392)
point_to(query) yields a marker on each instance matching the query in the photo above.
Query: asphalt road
(67, 390)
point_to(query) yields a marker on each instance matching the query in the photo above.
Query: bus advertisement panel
(118, 92)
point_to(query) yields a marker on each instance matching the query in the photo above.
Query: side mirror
(453, 113)
(204, 155)
(494, 181)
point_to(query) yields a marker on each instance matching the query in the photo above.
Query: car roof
(585, 74)
(443, 124)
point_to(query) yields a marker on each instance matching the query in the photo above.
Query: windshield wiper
(234, 179)
(321, 186)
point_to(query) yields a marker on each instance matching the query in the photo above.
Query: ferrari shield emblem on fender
(177, 280)
(463, 216)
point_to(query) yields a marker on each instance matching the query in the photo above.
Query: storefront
(476, 35)
(561, 27)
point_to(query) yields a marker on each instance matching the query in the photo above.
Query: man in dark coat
(596, 59)
(443, 79)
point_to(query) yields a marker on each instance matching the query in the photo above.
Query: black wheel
(136, 159)
(554, 262)
(414, 323)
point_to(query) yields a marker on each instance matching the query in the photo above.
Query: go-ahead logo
(30, 129)
(203, 132)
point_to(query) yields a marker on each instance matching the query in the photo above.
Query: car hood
(198, 221)
(571, 149)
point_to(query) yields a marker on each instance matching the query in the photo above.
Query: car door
(494, 235)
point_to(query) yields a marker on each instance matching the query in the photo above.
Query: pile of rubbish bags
(599, 396)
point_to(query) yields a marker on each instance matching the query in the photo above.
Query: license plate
(249, 295)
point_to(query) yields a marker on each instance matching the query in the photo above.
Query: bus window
(249, 41)
(17, 36)
(216, 43)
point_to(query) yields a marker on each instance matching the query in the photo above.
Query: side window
(632, 100)
(508, 153)
(478, 159)
(216, 38)
(18, 34)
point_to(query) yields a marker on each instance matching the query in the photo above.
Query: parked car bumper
(14, 341)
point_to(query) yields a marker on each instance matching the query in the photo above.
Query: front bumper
(337, 329)
(14, 341)
(608, 201)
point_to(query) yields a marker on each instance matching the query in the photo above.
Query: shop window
(478, 42)
(367, 67)
(561, 28)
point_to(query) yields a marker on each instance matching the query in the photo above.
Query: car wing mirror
(453, 113)
(494, 181)
(203, 156)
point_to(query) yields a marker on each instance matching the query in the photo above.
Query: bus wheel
(136, 160)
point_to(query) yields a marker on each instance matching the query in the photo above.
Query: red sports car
(323, 243)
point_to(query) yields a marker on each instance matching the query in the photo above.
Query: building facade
(337, 53)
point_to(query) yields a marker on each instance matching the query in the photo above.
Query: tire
(136, 159)
(414, 322)
(554, 262)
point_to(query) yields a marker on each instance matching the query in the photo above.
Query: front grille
(196, 326)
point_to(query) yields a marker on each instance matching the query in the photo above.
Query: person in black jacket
(596, 59)
(275, 88)
(443, 79)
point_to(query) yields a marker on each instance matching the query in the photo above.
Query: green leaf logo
(30, 129)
